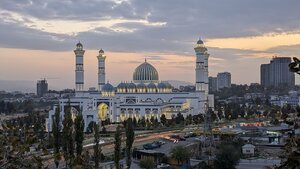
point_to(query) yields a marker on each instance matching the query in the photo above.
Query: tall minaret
(101, 69)
(201, 67)
(79, 78)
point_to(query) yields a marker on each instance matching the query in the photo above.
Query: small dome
(101, 51)
(168, 85)
(141, 86)
(108, 88)
(200, 42)
(122, 85)
(131, 86)
(145, 73)
(161, 85)
(151, 86)
(79, 44)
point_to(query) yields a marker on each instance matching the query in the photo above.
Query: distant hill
(18, 85)
(177, 83)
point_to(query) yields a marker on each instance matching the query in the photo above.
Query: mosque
(145, 97)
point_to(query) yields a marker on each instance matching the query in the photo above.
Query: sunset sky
(37, 38)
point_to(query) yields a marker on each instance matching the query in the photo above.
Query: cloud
(257, 43)
(286, 50)
(155, 58)
(240, 33)
(73, 27)
(151, 26)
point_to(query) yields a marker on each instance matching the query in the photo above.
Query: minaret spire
(101, 69)
(79, 72)
(201, 67)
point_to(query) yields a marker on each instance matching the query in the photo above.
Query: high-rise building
(41, 87)
(223, 80)
(265, 74)
(277, 73)
(212, 84)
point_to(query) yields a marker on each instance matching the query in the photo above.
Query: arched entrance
(102, 111)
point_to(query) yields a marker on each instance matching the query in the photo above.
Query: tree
(181, 154)
(79, 135)
(68, 140)
(134, 122)
(189, 119)
(291, 155)
(227, 112)
(142, 122)
(14, 147)
(117, 152)
(86, 161)
(56, 136)
(129, 141)
(90, 128)
(227, 157)
(147, 163)
(97, 147)
(179, 118)
(163, 119)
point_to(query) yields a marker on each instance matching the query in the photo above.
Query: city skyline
(39, 38)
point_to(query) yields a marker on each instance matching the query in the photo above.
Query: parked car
(163, 166)
(159, 142)
(151, 146)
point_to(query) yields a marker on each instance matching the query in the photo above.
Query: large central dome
(145, 73)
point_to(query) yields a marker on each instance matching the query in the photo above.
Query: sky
(38, 38)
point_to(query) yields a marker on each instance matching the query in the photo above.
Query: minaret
(201, 67)
(79, 78)
(101, 69)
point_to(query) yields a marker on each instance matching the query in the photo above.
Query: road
(108, 148)
(257, 164)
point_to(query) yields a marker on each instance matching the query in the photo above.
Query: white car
(163, 165)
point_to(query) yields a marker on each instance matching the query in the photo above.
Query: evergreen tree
(79, 137)
(179, 118)
(68, 143)
(142, 122)
(86, 161)
(134, 122)
(227, 157)
(163, 119)
(56, 136)
(129, 141)
(117, 152)
(97, 147)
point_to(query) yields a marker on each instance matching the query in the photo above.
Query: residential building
(277, 73)
(212, 84)
(41, 87)
(223, 80)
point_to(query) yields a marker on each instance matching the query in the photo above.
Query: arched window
(102, 111)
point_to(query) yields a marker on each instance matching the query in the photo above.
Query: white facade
(144, 99)
(248, 149)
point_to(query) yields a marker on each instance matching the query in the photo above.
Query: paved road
(109, 148)
(257, 164)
